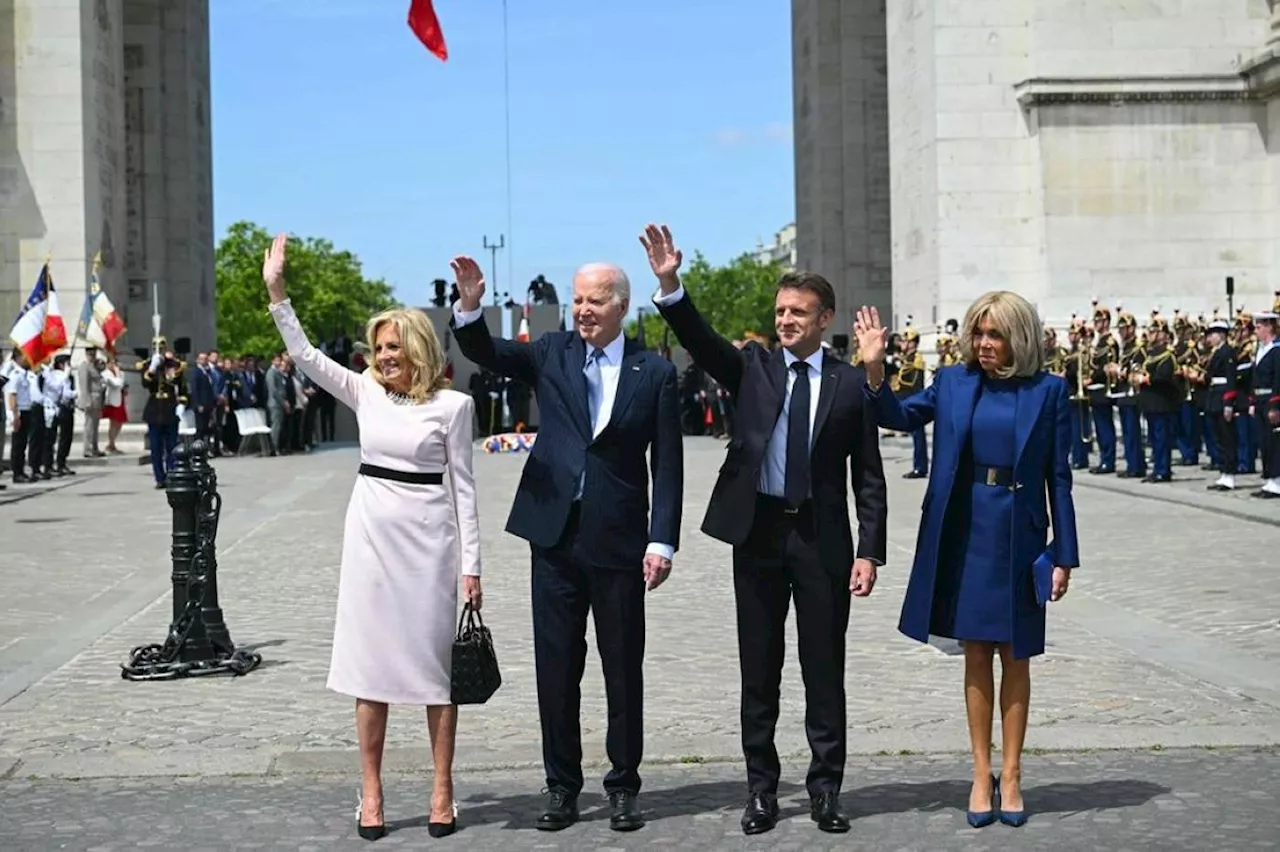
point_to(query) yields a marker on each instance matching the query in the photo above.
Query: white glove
(155, 361)
(180, 410)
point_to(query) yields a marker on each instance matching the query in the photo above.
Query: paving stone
(1208, 678)
(1114, 800)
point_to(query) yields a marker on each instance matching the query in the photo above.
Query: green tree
(327, 287)
(734, 299)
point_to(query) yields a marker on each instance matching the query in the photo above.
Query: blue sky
(331, 119)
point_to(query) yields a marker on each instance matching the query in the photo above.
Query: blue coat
(1042, 488)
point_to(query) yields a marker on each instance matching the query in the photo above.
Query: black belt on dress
(413, 477)
(994, 476)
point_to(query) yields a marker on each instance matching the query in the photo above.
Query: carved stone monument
(105, 147)
(1064, 149)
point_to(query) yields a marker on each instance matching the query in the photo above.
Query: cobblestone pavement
(1169, 637)
(1202, 800)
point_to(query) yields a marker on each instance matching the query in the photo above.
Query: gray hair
(614, 274)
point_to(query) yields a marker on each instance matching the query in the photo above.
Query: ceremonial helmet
(1244, 318)
(1157, 322)
(1124, 319)
(1100, 312)
(1275, 306)
(909, 334)
(942, 338)
(1181, 322)
(1078, 325)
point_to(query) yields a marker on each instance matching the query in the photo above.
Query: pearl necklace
(400, 398)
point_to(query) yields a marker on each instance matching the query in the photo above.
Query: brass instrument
(1084, 360)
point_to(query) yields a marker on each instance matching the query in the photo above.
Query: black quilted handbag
(475, 664)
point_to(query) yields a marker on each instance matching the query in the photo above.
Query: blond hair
(421, 348)
(1016, 320)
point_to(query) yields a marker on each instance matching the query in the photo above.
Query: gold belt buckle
(992, 476)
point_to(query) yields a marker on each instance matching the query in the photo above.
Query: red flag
(426, 26)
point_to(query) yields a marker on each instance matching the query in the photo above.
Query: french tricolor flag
(39, 331)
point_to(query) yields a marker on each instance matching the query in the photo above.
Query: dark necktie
(797, 485)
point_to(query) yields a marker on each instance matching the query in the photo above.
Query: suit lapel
(826, 396)
(967, 384)
(1027, 413)
(574, 358)
(629, 377)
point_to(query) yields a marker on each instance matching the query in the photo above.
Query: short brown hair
(813, 283)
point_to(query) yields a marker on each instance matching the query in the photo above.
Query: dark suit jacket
(1042, 487)
(200, 389)
(845, 438)
(615, 526)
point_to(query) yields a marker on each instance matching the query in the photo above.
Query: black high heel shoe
(444, 829)
(368, 832)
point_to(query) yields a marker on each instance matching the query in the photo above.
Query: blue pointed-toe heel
(982, 819)
(1013, 819)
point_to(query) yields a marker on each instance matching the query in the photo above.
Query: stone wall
(842, 149)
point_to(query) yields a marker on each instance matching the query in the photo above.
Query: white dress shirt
(610, 369)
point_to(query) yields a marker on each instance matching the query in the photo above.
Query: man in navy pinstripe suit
(583, 506)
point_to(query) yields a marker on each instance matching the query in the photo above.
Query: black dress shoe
(824, 809)
(761, 813)
(561, 811)
(625, 808)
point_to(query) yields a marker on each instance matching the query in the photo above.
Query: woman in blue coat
(983, 566)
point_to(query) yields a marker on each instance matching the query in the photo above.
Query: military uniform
(1266, 407)
(1075, 370)
(1223, 403)
(1104, 351)
(1186, 353)
(1159, 397)
(1245, 344)
(906, 380)
(166, 383)
(1131, 357)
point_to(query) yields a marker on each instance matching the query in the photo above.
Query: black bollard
(198, 642)
(209, 508)
(182, 487)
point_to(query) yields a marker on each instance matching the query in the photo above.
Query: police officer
(163, 378)
(908, 379)
(1266, 401)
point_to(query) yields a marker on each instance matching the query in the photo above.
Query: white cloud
(775, 133)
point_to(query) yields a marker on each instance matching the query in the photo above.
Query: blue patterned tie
(595, 385)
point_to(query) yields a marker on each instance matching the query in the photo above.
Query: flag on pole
(100, 325)
(523, 334)
(39, 331)
(426, 26)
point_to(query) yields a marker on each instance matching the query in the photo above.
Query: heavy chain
(160, 661)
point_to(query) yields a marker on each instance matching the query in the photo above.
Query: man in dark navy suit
(583, 506)
(781, 501)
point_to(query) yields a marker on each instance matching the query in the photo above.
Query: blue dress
(973, 598)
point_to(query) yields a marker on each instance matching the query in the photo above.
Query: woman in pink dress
(412, 527)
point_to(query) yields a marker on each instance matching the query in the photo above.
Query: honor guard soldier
(1159, 396)
(1266, 401)
(1246, 345)
(1223, 401)
(1187, 353)
(1055, 356)
(908, 379)
(1104, 367)
(162, 376)
(1125, 394)
(1076, 372)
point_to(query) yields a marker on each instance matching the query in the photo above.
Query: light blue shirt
(773, 472)
(610, 370)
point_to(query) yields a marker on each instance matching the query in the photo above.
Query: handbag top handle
(470, 617)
